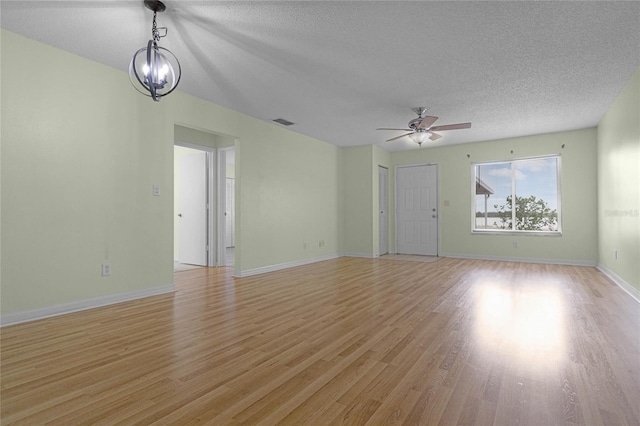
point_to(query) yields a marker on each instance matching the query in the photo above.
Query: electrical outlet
(515, 244)
(304, 246)
(106, 269)
(321, 243)
(615, 254)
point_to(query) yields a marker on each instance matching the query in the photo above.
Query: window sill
(519, 233)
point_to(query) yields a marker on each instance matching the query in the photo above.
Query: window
(534, 185)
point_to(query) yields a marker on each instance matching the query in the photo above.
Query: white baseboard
(81, 305)
(631, 290)
(281, 266)
(365, 255)
(35, 314)
(521, 259)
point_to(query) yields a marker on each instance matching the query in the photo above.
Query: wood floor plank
(313, 410)
(346, 341)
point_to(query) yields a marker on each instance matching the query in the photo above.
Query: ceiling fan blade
(398, 137)
(427, 122)
(451, 127)
(434, 136)
(387, 128)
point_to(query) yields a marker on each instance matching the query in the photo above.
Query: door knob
(433, 216)
(179, 214)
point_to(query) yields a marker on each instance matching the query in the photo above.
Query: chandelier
(154, 71)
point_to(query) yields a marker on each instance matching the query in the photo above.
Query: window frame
(477, 231)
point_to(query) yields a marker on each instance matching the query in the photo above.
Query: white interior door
(230, 214)
(383, 175)
(192, 208)
(416, 210)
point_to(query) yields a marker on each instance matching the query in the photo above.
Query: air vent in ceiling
(283, 122)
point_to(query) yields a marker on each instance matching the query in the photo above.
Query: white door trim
(383, 208)
(211, 191)
(222, 201)
(395, 201)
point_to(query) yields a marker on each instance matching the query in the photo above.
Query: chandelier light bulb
(162, 74)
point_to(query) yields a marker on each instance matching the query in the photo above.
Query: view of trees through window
(532, 183)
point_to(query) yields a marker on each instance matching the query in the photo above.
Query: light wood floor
(346, 341)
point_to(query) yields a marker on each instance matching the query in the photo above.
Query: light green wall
(578, 243)
(357, 192)
(288, 196)
(360, 229)
(196, 137)
(224, 141)
(231, 170)
(78, 163)
(619, 185)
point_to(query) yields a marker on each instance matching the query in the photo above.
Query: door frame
(395, 202)
(222, 201)
(211, 191)
(386, 209)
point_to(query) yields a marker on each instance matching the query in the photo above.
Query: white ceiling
(339, 70)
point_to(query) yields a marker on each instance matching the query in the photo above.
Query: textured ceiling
(339, 70)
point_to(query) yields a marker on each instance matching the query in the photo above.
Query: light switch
(156, 190)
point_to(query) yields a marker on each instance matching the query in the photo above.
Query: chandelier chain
(154, 29)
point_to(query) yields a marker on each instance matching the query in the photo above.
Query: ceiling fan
(422, 128)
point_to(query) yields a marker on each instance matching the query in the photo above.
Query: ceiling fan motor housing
(413, 124)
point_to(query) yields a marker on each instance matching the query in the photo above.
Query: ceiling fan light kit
(422, 128)
(420, 137)
(154, 71)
